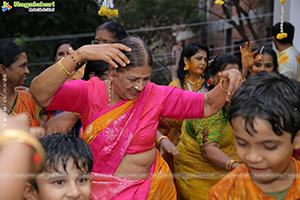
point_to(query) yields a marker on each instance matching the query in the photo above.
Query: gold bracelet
(160, 139)
(221, 85)
(62, 68)
(76, 114)
(24, 137)
(229, 164)
(71, 50)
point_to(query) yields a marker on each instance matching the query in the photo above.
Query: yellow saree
(195, 174)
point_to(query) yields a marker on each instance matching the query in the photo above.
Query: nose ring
(136, 87)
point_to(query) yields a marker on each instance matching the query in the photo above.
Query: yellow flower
(219, 2)
(282, 1)
(103, 11)
(280, 36)
(112, 12)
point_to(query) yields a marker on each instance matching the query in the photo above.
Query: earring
(209, 83)
(186, 68)
(136, 87)
(4, 78)
(186, 79)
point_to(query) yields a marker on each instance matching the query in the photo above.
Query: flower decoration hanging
(219, 2)
(260, 56)
(282, 34)
(107, 9)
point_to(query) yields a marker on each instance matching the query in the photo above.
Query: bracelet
(229, 164)
(221, 85)
(160, 139)
(62, 68)
(76, 114)
(24, 137)
(72, 56)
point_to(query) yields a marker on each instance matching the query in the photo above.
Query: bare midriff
(136, 166)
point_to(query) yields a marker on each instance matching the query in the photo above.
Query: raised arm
(216, 98)
(247, 57)
(45, 85)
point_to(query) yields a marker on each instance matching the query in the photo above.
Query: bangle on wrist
(229, 164)
(221, 85)
(76, 114)
(24, 137)
(62, 68)
(160, 139)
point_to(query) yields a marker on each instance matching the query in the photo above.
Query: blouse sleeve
(208, 129)
(181, 104)
(72, 96)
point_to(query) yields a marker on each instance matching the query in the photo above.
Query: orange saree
(239, 185)
(24, 103)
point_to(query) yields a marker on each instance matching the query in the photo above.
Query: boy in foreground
(66, 172)
(265, 117)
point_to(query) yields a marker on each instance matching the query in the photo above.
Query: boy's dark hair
(60, 148)
(96, 66)
(188, 51)
(287, 28)
(269, 96)
(271, 52)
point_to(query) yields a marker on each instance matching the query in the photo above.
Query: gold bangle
(24, 137)
(76, 114)
(160, 139)
(71, 50)
(230, 166)
(62, 68)
(221, 85)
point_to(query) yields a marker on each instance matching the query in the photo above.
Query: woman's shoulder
(175, 83)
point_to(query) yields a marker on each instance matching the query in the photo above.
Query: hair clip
(260, 55)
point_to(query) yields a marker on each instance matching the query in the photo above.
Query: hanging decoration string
(282, 34)
(108, 9)
(219, 2)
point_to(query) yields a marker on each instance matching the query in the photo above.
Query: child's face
(265, 154)
(61, 186)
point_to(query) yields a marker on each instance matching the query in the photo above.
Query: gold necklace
(11, 110)
(196, 83)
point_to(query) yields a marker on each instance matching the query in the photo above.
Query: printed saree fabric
(196, 174)
(24, 103)
(239, 185)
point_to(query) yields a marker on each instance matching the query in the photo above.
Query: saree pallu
(24, 103)
(159, 185)
(195, 175)
(239, 185)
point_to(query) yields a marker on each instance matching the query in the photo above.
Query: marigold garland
(282, 34)
(219, 2)
(107, 9)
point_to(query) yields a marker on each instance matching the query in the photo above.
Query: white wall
(291, 14)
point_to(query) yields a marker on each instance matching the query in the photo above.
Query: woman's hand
(167, 146)
(110, 53)
(232, 80)
(247, 57)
